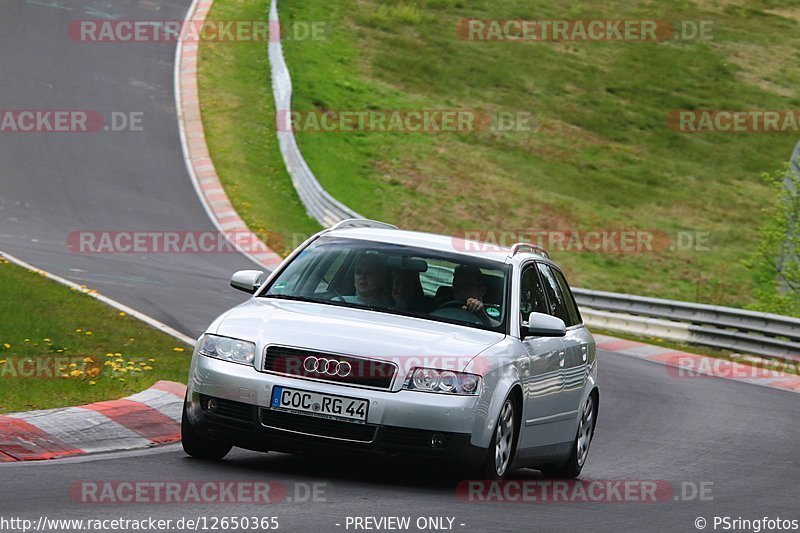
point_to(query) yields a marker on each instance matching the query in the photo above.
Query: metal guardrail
(709, 325)
(319, 204)
(720, 327)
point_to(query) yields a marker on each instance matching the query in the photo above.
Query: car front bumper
(398, 422)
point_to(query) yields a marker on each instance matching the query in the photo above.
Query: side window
(569, 299)
(557, 302)
(531, 298)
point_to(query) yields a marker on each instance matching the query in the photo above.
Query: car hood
(357, 332)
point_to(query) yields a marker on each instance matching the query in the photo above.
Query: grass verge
(601, 157)
(60, 347)
(238, 116)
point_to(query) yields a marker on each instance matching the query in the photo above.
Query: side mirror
(542, 325)
(247, 280)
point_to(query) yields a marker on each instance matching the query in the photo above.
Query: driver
(469, 287)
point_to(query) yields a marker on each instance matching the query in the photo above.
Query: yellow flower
(118, 354)
(109, 355)
(177, 349)
(59, 351)
(76, 373)
(92, 382)
(148, 368)
(2, 361)
(46, 340)
(120, 360)
(27, 340)
(78, 330)
(152, 360)
(142, 364)
(123, 370)
(122, 379)
(88, 360)
(92, 372)
(73, 365)
(136, 369)
(107, 363)
(6, 345)
(88, 333)
(123, 313)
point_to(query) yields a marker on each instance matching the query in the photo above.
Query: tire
(198, 446)
(500, 454)
(580, 447)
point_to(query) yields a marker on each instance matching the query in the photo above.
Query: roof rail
(533, 247)
(361, 223)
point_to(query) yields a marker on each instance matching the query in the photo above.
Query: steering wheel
(481, 315)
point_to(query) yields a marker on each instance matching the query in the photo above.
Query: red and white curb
(690, 366)
(197, 157)
(143, 420)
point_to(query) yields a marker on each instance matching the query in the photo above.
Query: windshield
(397, 279)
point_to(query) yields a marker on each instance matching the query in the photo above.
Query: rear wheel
(501, 450)
(580, 448)
(197, 445)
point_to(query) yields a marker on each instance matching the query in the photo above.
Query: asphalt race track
(737, 441)
(739, 437)
(53, 184)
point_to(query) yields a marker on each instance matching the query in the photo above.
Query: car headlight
(228, 349)
(443, 381)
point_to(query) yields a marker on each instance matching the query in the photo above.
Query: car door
(572, 361)
(540, 372)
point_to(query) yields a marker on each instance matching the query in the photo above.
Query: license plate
(320, 405)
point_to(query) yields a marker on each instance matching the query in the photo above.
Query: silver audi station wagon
(372, 339)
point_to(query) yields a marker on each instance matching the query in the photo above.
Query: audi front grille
(343, 369)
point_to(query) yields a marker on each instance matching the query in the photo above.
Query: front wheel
(197, 445)
(501, 450)
(580, 448)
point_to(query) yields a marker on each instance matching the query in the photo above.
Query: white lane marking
(53, 4)
(185, 140)
(150, 321)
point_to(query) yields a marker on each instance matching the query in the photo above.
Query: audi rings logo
(329, 367)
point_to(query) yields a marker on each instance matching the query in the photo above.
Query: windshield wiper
(293, 298)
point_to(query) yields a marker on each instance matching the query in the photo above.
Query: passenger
(407, 291)
(370, 282)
